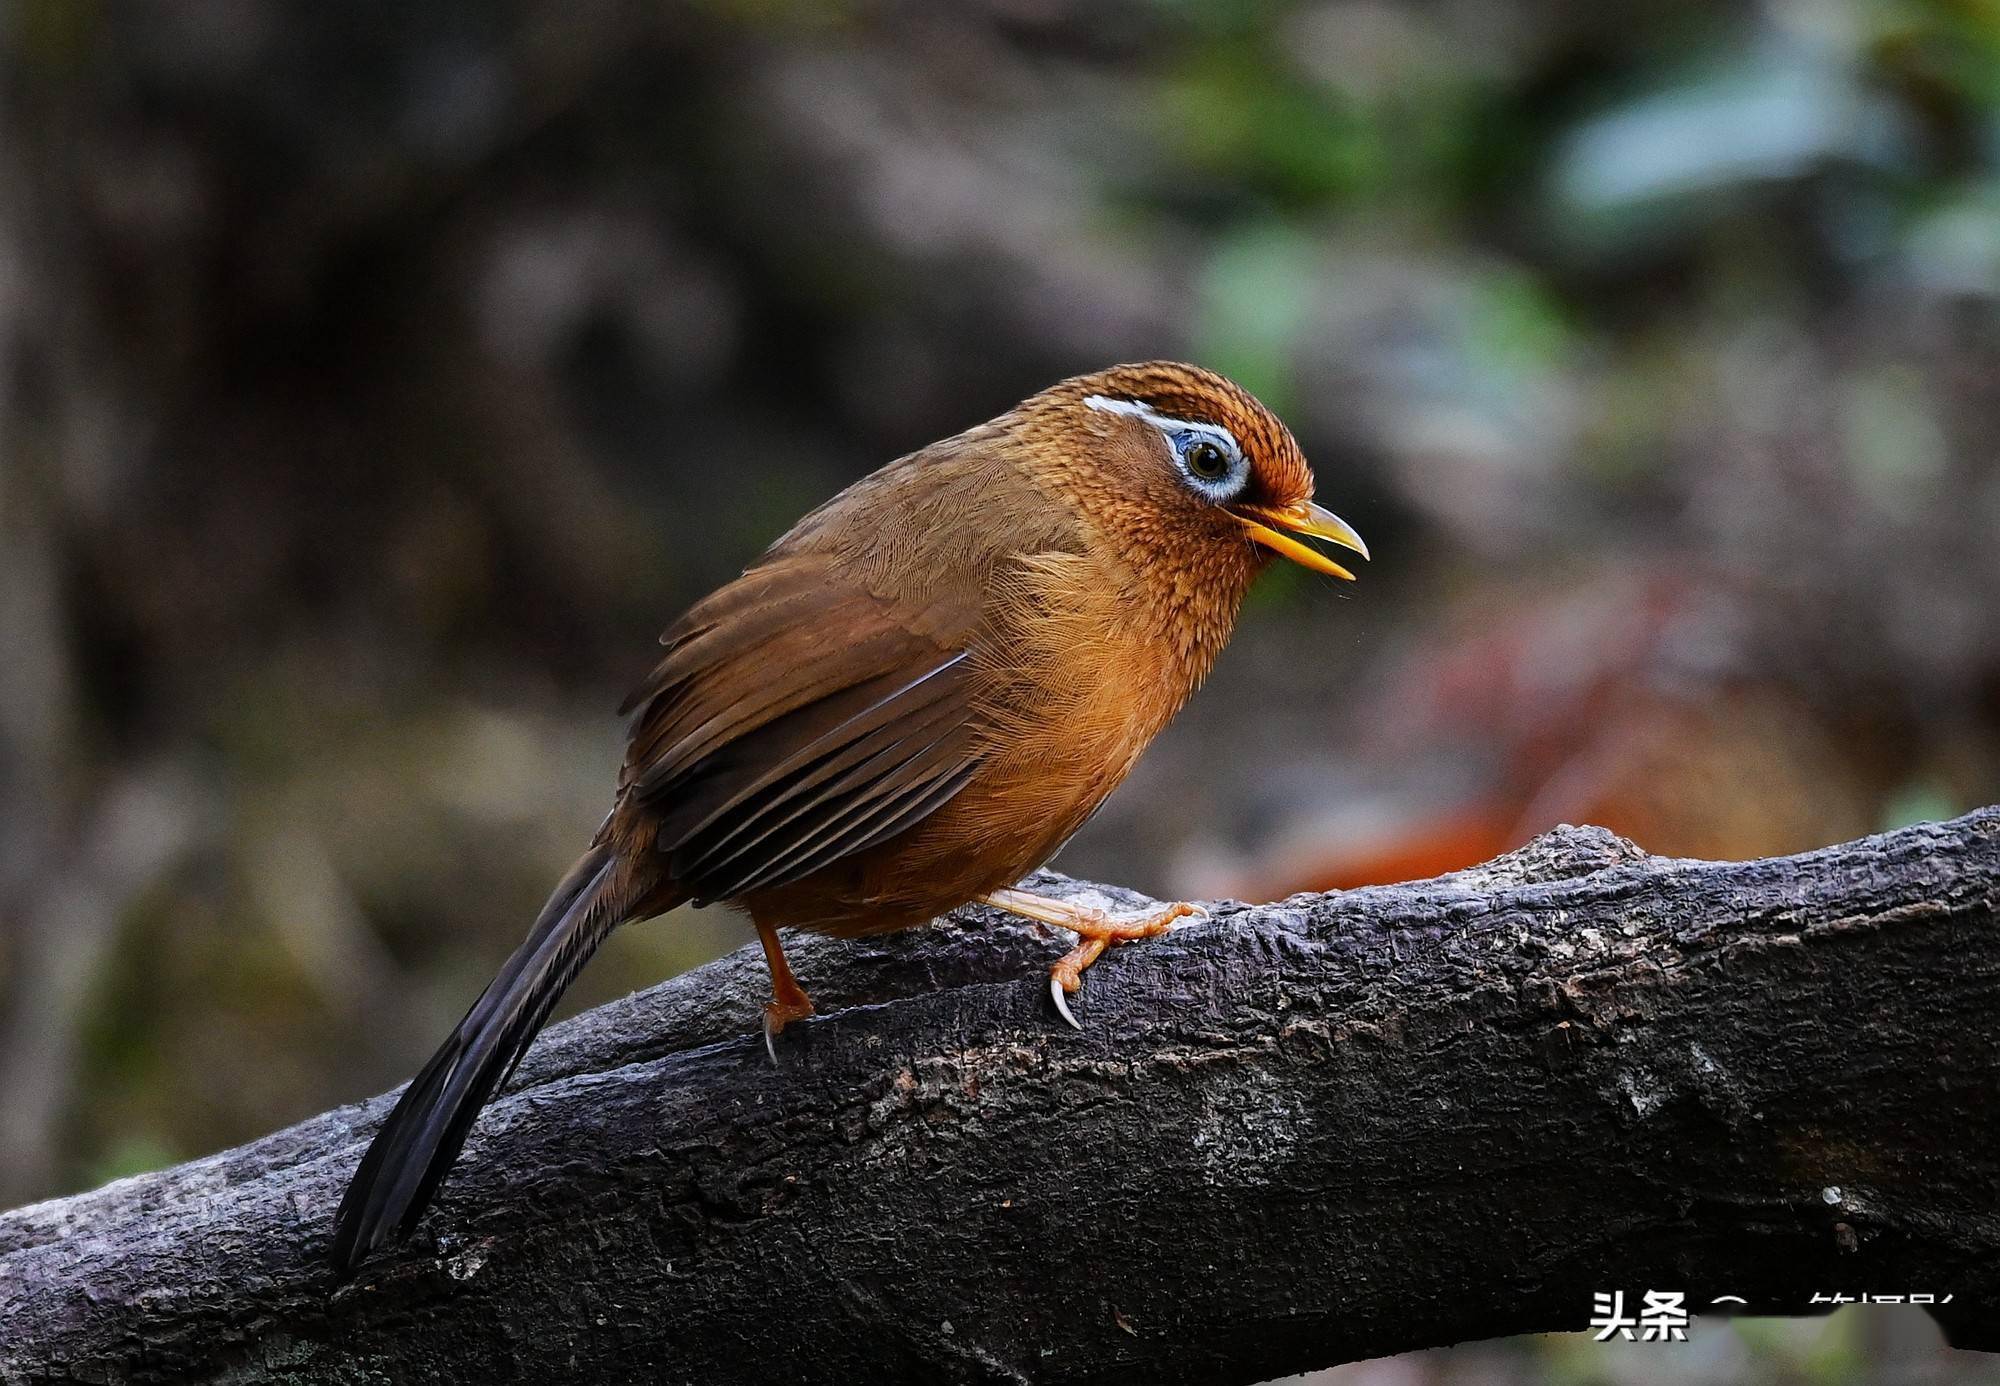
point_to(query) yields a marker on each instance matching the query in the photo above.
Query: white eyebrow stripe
(1139, 409)
(1136, 408)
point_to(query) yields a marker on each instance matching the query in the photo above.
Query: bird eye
(1207, 461)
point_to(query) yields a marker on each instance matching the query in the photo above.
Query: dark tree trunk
(1289, 1136)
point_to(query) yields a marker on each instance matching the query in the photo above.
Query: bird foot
(788, 1001)
(778, 1013)
(1099, 931)
(1095, 929)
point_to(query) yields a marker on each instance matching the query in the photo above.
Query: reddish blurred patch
(1625, 705)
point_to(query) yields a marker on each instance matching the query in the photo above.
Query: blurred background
(376, 381)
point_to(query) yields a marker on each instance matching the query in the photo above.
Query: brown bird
(909, 702)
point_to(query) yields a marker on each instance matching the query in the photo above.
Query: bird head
(1177, 457)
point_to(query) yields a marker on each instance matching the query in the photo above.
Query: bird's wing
(795, 719)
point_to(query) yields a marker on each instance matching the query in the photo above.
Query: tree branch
(1288, 1136)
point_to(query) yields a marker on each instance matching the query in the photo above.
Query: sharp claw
(770, 1045)
(1061, 998)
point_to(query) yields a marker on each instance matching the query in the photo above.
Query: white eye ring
(1195, 442)
(1183, 438)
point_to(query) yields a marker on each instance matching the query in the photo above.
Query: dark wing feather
(795, 720)
(864, 754)
(890, 812)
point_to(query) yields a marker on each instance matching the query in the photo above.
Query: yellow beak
(1273, 528)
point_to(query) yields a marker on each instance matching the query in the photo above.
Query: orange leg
(1095, 929)
(789, 1001)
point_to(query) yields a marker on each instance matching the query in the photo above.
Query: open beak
(1273, 528)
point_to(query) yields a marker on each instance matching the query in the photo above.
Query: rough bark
(1288, 1136)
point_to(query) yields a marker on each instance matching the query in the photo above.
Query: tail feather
(423, 1135)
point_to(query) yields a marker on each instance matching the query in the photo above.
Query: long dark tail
(422, 1136)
